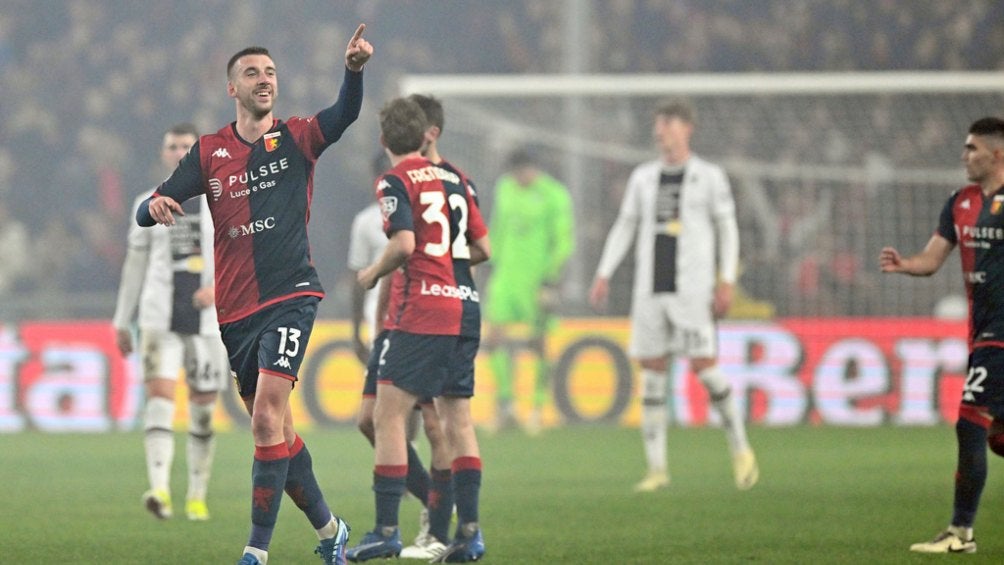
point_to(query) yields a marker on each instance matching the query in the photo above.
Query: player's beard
(975, 174)
(251, 104)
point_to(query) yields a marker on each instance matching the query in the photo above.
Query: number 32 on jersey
(435, 213)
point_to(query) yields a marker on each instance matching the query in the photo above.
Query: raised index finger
(357, 34)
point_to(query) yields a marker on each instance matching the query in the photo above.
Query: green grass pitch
(826, 495)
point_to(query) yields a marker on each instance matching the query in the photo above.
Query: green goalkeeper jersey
(532, 231)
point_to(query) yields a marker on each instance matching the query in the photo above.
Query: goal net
(825, 168)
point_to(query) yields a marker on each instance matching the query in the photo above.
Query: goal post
(826, 168)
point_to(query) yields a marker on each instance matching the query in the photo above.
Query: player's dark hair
(433, 109)
(246, 51)
(185, 128)
(990, 126)
(522, 158)
(677, 108)
(402, 125)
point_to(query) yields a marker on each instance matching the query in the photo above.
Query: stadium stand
(87, 82)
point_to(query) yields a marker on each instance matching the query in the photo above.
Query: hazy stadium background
(821, 180)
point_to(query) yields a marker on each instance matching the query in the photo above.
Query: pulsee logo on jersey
(250, 181)
(985, 233)
(252, 227)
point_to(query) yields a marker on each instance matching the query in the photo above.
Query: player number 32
(435, 213)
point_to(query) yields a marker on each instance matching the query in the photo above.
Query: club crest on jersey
(388, 205)
(996, 205)
(272, 141)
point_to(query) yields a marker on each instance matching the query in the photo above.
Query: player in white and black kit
(686, 258)
(168, 275)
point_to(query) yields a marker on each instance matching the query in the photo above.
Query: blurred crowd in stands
(89, 86)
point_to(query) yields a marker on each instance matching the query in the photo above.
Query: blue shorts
(984, 388)
(373, 369)
(460, 382)
(416, 363)
(270, 341)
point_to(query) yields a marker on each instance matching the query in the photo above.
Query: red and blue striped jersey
(975, 223)
(434, 292)
(259, 195)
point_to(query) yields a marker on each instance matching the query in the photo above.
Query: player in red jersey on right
(436, 231)
(972, 219)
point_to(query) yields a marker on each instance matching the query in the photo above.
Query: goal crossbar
(720, 84)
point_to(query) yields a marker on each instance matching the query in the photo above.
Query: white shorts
(204, 359)
(664, 323)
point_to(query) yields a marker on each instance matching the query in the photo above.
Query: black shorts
(270, 341)
(416, 363)
(984, 386)
(458, 364)
(460, 382)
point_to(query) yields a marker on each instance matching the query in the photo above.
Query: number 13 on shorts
(289, 341)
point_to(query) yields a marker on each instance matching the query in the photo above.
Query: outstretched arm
(400, 246)
(358, 302)
(158, 210)
(335, 119)
(184, 183)
(923, 264)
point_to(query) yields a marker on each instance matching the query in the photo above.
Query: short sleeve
(395, 206)
(946, 222)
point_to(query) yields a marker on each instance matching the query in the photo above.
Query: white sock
(201, 447)
(329, 530)
(966, 533)
(720, 390)
(261, 554)
(158, 439)
(654, 418)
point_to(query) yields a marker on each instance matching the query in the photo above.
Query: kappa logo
(283, 362)
(221, 153)
(217, 187)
